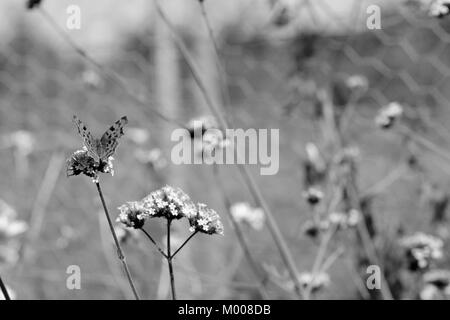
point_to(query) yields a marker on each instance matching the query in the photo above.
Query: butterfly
(101, 149)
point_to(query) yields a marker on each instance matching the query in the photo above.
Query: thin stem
(184, 243)
(366, 240)
(154, 242)
(220, 65)
(4, 290)
(111, 74)
(120, 254)
(241, 239)
(318, 260)
(169, 262)
(279, 240)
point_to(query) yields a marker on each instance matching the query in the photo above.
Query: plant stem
(280, 242)
(120, 254)
(184, 243)
(241, 239)
(154, 242)
(4, 290)
(169, 262)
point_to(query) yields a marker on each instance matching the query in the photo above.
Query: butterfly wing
(109, 140)
(88, 140)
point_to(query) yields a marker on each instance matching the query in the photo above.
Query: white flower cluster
(205, 220)
(10, 228)
(387, 115)
(172, 204)
(422, 249)
(437, 285)
(242, 212)
(316, 282)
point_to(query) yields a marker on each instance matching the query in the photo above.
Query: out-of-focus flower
(421, 250)
(23, 141)
(213, 141)
(91, 79)
(439, 8)
(81, 162)
(314, 156)
(357, 82)
(313, 228)
(313, 195)
(434, 8)
(205, 220)
(437, 285)
(317, 282)
(387, 115)
(315, 166)
(9, 225)
(138, 135)
(344, 220)
(31, 4)
(243, 212)
(67, 235)
(198, 126)
(153, 158)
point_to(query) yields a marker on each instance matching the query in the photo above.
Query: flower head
(201, 125)
(317, 281)
(421, 250)
(31, 4)
(437, 285)
(169, 203)
(153, 158)
(243, 212)
(313, 195)
(80, 162)
(388, 115)
(357, 82)
(132, 214)
(10, 227)
(205, 220)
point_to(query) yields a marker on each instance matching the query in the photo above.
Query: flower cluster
(344, 220)
(357, 82)
(205, 220)
(421, 250)
(31, 4)
(387, 116)
(153, 158)
(10, 227)
(201, 124)
(132, 214)
(243, 212)
(313, 195)
(338, 220)
(80, 162)
(316, 282)
(171, 204)
(439, 8)
(437, 285)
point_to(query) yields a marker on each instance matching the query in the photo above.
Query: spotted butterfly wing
(109, 140)
(88, 140)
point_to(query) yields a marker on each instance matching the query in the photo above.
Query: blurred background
(282, 63)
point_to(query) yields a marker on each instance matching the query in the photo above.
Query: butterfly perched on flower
(101, 149)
